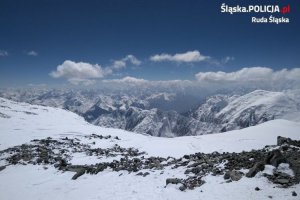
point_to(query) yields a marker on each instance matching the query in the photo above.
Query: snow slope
(257, 107)
(225, 113)
(27, 122)
(21, 122)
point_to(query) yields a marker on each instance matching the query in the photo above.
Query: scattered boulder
(143, 174)
(79, 173)
(173, 181)
(233, 175)
(183, 187)
(294, 194)
(196, 170)
(236, 175)
(146, 174)
(2, 168)
(259, 166)
(227, 175)
(140, 174)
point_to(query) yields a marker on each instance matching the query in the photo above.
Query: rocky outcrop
(58, 153)
(275, 158)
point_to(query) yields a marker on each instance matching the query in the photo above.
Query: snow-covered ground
(21, 122)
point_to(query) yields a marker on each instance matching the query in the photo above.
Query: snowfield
(21, 122)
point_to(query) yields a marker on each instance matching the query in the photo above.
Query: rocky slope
(282, 159)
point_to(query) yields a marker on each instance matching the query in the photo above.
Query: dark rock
(194, 164)
(140, 174)
(259, 166)
(193, 182)
(275, 158)
(63, 163)
(196, 170)
(236, 175)
(2, 168)
(283, 140)
(227, 175)
(79, 173)
(100, 168)
(185, 163)
(136, 160)
(294, 193)
(173, 181)
(284, 147)
(146, 174)
(257, 188)
(182, 188)
(39, 160)
(217, 171)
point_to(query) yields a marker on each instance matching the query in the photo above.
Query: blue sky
(38, 36)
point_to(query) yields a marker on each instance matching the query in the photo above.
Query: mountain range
(167, 114)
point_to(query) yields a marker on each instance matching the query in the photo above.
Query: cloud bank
(245, 79)
(187, 57)
(127, 80)
(250, 74)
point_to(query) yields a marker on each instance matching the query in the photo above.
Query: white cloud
(3, 53)
(32, 53)
(187, 57)
(250, 74)
(86, 73)
(78, 72)
(227, 59)
(132, 59)
(122, 63)
(118, 64)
